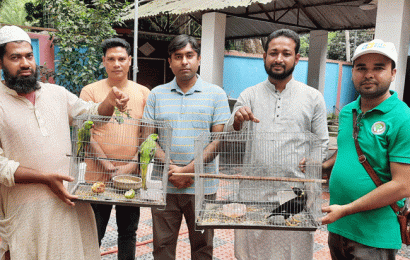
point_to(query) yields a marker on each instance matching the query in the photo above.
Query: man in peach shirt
(117, 62)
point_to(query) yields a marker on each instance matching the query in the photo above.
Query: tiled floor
(223, 241)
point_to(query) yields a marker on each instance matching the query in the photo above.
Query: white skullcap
(13, 34)
(376, 46)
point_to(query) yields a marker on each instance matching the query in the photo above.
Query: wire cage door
(119, 160)
(260, 184)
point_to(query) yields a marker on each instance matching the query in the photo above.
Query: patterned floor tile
(223, 241)
(224, 251)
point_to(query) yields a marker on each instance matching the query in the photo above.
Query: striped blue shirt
(189, 114)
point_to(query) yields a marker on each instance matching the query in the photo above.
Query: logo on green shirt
(378, 128)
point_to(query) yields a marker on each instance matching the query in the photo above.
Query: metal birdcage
(261, 184)
(107, 168)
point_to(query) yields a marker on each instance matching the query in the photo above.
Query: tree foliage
(34, 10)
(13, 12)
(336, 43)
(304, 45)
(252, 45)
(81, 27)
(336, 48)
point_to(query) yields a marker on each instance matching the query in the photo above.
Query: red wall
(46, 49)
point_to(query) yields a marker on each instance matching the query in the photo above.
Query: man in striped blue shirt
(191, 106)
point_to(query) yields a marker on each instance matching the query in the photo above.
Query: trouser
(342, 248)
(262, 244)
(127, 224)
(166, 225)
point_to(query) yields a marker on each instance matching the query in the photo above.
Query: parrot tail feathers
(144, 176)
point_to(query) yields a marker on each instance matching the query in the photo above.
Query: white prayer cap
(13, 34)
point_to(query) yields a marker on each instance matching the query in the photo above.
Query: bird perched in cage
(83, 137)
(291, 207)
(118, 115)
(147, 153)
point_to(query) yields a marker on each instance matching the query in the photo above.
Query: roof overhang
(255, 18)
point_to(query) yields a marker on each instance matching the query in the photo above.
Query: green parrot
(84, 136)
(118, 115)
(147, 153)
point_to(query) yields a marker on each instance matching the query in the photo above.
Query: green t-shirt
(384, 137)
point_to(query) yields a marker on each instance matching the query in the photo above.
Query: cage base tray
(113, 196)
(214, 218)
(255, 226)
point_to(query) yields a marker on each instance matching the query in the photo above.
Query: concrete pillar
(212, 47)
(393, 25)
(317, 60)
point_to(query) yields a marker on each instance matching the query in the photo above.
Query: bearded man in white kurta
(279, 104)
(38, 218)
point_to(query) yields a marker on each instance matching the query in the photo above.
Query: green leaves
(81, 27)
(14, 12)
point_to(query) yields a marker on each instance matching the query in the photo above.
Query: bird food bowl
(127, 182)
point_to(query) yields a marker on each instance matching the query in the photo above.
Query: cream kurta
(35, 223)
(298, 108)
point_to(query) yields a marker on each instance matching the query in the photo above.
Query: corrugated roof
(178, 7)
(252, 18)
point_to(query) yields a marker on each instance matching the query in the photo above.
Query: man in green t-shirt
(361, 223)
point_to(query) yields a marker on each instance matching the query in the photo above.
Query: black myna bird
(293, 206)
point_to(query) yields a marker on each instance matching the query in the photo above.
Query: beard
(22, 84)
(279, 76)
(378, 91)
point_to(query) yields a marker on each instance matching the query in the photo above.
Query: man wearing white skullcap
(13, 34)
(361, 222)
(38, 218)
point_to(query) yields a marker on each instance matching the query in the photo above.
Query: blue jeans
(342, 248)
(127, 223)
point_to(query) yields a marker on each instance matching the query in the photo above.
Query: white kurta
(34, 222)
(298, 108)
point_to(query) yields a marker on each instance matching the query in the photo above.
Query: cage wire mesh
(108, 166)
(261, 185)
